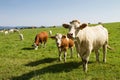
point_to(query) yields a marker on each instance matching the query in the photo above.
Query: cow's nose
(71, 34)
(57, 44)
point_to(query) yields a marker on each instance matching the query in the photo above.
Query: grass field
(19, 61)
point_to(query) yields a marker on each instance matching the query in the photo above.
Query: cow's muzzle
(70, 35)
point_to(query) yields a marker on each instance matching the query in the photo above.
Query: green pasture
(19, 61)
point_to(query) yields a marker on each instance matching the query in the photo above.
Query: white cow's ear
(66, 25)
(82, 26)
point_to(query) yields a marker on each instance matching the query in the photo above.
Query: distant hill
(26, 27)
(15, 27)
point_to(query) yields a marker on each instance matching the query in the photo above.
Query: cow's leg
(65, 55)
(77, 48)
(44, 44)
(60, 57)
(71, 52)
(85, 62)
(85, 59)
(104, 52)
(41, 44)
(97, 55)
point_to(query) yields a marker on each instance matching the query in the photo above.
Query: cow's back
(93, 36)
(101, 36)
(43, 36)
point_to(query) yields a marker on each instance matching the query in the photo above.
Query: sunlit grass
(19, 61)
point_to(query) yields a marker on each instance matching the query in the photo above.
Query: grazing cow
(6, 32)
(50, 33)
(63, 43)
(88, 39)
(13, 30)
(21, 36)
(42, 37)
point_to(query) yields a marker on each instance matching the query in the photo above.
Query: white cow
(6, 32)
(50, 33)
(88, 39)
(21, 36)
(13, 30)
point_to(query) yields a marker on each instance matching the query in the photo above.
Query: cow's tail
(110, 48)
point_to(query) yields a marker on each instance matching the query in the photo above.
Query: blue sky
(57, 12)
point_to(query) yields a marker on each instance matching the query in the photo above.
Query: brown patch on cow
(64, 44)
(66, 25)
(71, 43)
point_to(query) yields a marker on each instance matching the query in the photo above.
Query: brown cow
(42, 37)
(63, 43)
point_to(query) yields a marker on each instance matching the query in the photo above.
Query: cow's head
(58, 38)
(35, 46)
(81, 27)
(74, 28)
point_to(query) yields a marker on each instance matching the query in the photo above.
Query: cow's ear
(82, 26)
(53, 37)
(66, 25)
(63, 36)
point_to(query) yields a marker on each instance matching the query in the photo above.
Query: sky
(57, 12)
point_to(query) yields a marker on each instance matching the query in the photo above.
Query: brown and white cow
(40, 38)
(63, 43)
(88, 39)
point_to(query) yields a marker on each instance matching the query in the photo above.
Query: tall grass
(19, 61)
